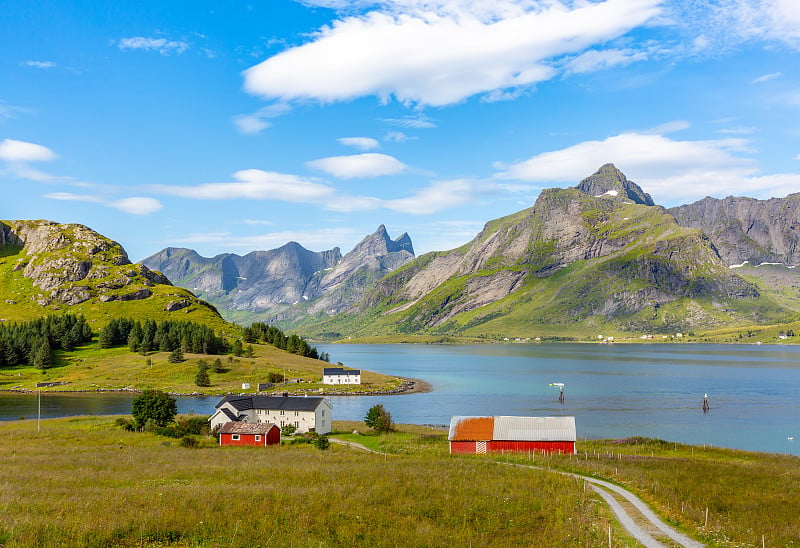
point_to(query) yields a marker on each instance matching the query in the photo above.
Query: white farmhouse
(338, 375)
(305, 414)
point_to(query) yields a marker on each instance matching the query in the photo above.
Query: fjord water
(614, 391)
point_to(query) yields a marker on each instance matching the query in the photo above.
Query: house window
(296, 413)
(297, 424)
(281, 411)
(235, 437)
(258, 438)
(323, 412)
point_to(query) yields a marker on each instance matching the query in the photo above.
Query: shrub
(322, 443)
(288, 429)
(155, 406)
(195, 424)
(379, 419)
(190, 442)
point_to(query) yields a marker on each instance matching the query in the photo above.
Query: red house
(519, 434)
(246, 434)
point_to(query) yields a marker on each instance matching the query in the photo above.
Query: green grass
(84, 482)
(95, 368)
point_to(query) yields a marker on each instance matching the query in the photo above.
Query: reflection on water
(612, 390)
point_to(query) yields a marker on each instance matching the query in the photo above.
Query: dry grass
(83, 482)
(747, 494)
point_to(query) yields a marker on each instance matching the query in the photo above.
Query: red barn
(246, 434)
(521, 434)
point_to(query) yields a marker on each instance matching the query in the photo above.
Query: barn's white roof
(535, 428)
(512, 428)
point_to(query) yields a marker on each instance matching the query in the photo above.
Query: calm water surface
(612, 390)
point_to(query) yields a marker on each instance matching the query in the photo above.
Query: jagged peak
(610, 182)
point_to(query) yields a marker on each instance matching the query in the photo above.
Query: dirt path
(633, 514)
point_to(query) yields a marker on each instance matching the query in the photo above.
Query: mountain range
(597, 256)
(286, 283)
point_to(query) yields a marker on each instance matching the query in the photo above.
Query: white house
(338, 375)
(306, 414)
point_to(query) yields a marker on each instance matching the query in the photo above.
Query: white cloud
(419, 121)
(251, 124)
(137, 205)
(671, 170)
(724, 24)
(594, 60)
(361, 143)
(255, 184)
(39, 64)
(766, 78)
(440, 53)
(161, 45)
(70, 197)
(370, 164)
(397, 137)
(739, 130)
(10, 111)
(436, 197)
(24, 152)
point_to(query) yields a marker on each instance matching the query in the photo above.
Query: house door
(480, 447)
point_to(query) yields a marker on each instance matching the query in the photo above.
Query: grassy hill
(93, 368)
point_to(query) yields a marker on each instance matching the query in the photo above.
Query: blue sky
(231, 127)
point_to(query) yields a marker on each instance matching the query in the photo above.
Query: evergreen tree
(176, 356)
(41, 354)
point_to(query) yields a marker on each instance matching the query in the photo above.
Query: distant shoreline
(410, 386)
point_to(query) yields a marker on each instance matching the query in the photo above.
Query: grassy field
(84, 482)
(95, 368)
(747, 494)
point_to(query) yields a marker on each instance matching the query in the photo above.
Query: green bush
(322, 443)
(190, 442)
(288, 429)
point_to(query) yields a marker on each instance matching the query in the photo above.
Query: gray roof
(285, 403)
(246, 427)
(512, 428)
(340, 371)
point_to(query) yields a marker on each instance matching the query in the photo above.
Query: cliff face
(289, 281)
(745, 229)
(53, 265)
(578, 253)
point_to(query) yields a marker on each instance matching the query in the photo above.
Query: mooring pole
(706, 407)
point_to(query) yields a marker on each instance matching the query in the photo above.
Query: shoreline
(410, 386)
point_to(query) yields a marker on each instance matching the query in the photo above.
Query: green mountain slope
(574, 263)
(47, 267)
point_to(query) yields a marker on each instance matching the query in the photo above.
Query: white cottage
(305, 414)
(338, 375)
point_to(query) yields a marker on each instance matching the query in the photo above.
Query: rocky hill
(746, 229)
(50, 266)
(287, 283)
(595, 255)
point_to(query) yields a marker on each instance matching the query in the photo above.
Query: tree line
(33, 342)
(260, 332)
(166, 336)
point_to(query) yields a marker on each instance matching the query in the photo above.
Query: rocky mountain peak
(609, 182)
(380, 243)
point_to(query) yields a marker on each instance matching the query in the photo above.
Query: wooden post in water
(706, 407)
